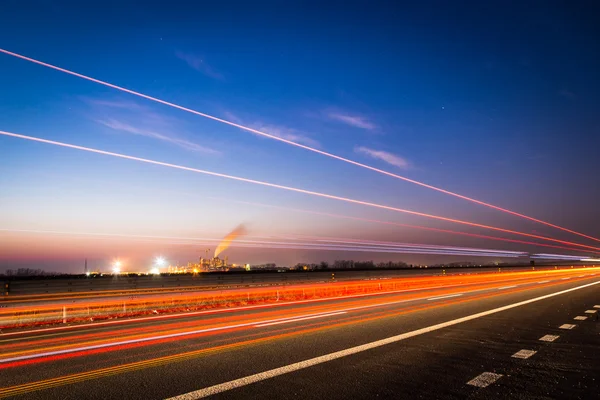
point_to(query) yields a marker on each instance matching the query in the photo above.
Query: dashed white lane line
(300, 319)
(445, 297)
(524, 354)
(567, 326)
(261, 376)
(597, 306)
(591, 311)
(485, 379)
(543, 281)
(549, 338)
(507, 287)
(564, 279)
(580, 318)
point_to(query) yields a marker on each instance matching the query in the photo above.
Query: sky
(493, 101)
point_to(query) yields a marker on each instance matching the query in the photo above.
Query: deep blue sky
(492, 101)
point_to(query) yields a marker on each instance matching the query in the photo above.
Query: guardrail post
(124, 308)
(64, 314)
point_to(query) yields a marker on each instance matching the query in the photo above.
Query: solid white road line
(485, 379)
(445, 297)
(299, 319)
(524, 354)
(567, 326)
(580, 318)
(507, 287)
(591, 311)
(236, 383)
(549, 338)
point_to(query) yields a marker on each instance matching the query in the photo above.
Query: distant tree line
(351, 264)
(28, 272)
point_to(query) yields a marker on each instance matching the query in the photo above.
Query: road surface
(450, 342)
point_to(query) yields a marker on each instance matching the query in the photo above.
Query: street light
(160, 261)
(116, 267)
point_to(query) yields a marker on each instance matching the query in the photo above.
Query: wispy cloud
(196, 62)
(120, 104)
(353, 120)
(286, 133)
(389, 158)
(131, 117)
(186, 144)
(283, 132)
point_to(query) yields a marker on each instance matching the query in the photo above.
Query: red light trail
(288, 188)
(290, 142)
(398, 224)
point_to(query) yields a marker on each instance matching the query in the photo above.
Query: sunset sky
(493, 102)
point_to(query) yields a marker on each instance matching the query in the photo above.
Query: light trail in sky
(392, 223)
(290, 142)
(348, 217)
(338, 245)
(288, 188)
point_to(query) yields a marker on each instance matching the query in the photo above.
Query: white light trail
(399, 248)
(282, 187)
(290, 142)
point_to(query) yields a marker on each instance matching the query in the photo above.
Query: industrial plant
(208, 264)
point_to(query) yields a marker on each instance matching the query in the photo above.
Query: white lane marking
(445, 297)
(236, 383)
(591, 311)
(567, 326)
(564, 279)
(524, 354)
(543, 281)
(549, 338)
(580, 318)
(300, 319)
(597, 306)
(507, 287)
(485, 379)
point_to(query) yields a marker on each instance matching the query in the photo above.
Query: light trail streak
(288, 188)
(367, 246)
(190, 328)
(78, 377)
(292, 143)
(394, 223)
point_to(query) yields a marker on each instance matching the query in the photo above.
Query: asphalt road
(410, 344)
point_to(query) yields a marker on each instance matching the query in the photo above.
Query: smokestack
(239, 231)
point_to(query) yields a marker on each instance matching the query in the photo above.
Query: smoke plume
(239, 231)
